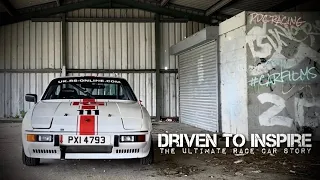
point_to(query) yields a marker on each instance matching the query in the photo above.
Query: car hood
(105, 116)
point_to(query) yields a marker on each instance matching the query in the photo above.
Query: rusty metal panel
(30, 45)
(15, 86)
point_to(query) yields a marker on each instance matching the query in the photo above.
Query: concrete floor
(178, 166)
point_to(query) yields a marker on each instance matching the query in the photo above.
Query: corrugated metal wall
(13, 88)
(110, 13)
(97, 45)
(193, 27)
(30, 45)
(91, 45)
(171, 33)
(115, 45)
(26, 46)
(94, 45)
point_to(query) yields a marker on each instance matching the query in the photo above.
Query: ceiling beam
(215, 7)
(63, 8)
(287, 4)
(51, 11)
(164, 2)
(8, 7)
(110, 5)
(185, 8)
(165, 11)
(117, 19)
(58, 2)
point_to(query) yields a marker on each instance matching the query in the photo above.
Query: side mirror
(31, 98)
(140, 102)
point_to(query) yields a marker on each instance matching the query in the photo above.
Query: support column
(158, 64)
(64, 45)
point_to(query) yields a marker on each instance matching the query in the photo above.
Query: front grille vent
(44, 151)
(127, 151)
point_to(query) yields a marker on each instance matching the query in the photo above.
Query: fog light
(44, 138)
(127, 138)
(31, 137)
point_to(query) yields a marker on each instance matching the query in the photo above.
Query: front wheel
(149, 158)
(29, 161)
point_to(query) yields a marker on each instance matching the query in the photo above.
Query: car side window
(57, 90)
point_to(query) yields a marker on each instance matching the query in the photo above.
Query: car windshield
(81, 88)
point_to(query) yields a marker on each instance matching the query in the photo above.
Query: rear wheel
(29, 161)
(149, 158)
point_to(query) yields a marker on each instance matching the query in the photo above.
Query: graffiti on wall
(284, 76)
(277, 19)
(285, 53)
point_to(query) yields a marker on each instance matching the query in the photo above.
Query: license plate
(86, 140)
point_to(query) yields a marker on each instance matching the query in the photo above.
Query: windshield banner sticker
(89, 81)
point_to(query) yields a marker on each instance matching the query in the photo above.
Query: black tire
(29, 161)
(149, 159)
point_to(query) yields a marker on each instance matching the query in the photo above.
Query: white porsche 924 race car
(86, 118)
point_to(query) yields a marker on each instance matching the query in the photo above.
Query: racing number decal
(88, 112)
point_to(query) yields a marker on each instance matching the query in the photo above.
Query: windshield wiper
(83, 90)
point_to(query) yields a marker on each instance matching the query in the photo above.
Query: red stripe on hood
(88, 107)
(88, 103)
(88, 100)
(75, 103)
(87, 125)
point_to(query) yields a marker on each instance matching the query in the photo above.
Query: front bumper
(114, 150)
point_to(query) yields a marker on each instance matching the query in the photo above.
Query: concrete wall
(283, 72)
(233, 65)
